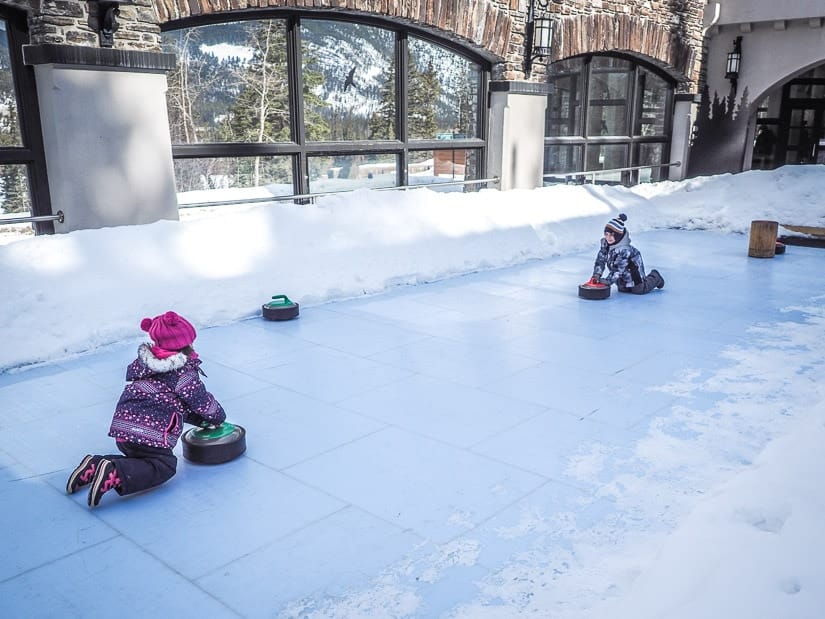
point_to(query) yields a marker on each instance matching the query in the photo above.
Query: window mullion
(28, 118)
(402, 104)
(300, 165)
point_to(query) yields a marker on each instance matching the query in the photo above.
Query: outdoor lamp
(538, 35)
(734, 60)
(107, 13)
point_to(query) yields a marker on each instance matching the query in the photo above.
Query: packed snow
(72, 294)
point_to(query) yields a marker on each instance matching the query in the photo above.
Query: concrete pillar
(684, 113)
(516, 134)
(105, 134)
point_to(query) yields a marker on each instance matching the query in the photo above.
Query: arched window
(606, 112)
(296, 103)
(23, 185)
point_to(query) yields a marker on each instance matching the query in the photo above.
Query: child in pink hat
(164, 392)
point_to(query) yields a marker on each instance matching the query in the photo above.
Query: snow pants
(646, 285)
(142, 467)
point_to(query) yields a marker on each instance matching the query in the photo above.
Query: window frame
(633, 121)
(31, 153)
(299, 148)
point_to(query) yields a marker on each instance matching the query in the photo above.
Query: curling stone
(280, 308)
(214, 445)
(780, 247)
(594, 291)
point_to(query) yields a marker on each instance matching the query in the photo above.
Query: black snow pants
(646, 285)
(142, 467)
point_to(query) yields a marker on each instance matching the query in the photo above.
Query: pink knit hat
(170, 332)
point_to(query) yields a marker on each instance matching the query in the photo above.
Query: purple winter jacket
(161, 396)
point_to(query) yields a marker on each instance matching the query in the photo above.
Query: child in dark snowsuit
(623, 261)
(164, 392)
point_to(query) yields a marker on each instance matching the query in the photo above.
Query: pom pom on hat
(169, 331)
(616, 225)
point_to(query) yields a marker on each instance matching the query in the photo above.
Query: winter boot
(105, 479)
(83, 474)
(661, 279)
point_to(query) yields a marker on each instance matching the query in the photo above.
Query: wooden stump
(763, 239)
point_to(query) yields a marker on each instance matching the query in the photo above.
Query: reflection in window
(230, 97)
(606, 119)
(651, 154)
(807, 91)
(230, 83)
(801, 136)
(431, 167)
(346, 98)
(347, 172)
(443, 92)
(606, 157)
(15, 196)
(607, 93)
(654, 103)
(606, 112)
(564, 104)
(9, 126)
(209, 179)
(560, 160)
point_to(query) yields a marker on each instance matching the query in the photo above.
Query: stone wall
(667, 32)
(485, 25)
(74, 22)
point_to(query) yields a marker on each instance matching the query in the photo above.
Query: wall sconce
(734, 60)
(538, 35)
(107, 13)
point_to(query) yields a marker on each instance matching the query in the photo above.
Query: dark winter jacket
(161, 396)
(623, 261)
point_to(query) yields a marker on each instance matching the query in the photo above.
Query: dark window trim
(300, 149)
(31, 154)
(632, 105)
(358, 18)
(787, 105)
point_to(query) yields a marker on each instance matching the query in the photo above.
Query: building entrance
(797, 134)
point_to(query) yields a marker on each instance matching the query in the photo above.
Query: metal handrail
(32, 218)
(312, 197)
(626, 169)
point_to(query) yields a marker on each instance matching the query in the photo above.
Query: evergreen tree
(260, 113)
(424, 91)
(382, 122)
(466, 107)
(14, 186)
(315, 127)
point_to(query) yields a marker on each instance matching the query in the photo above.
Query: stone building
(763, 99)
(121, 111)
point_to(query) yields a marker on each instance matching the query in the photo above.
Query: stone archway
(477, 23)
(581, 34)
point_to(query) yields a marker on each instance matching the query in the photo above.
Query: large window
(295, 104)
(606, 112)
(23, 185)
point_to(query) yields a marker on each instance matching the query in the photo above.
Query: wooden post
(763, 239)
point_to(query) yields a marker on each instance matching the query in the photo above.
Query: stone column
(684, 113)
(105, 134)
(516, 134)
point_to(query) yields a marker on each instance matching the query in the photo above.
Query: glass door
(805, 129)
(802, 119)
